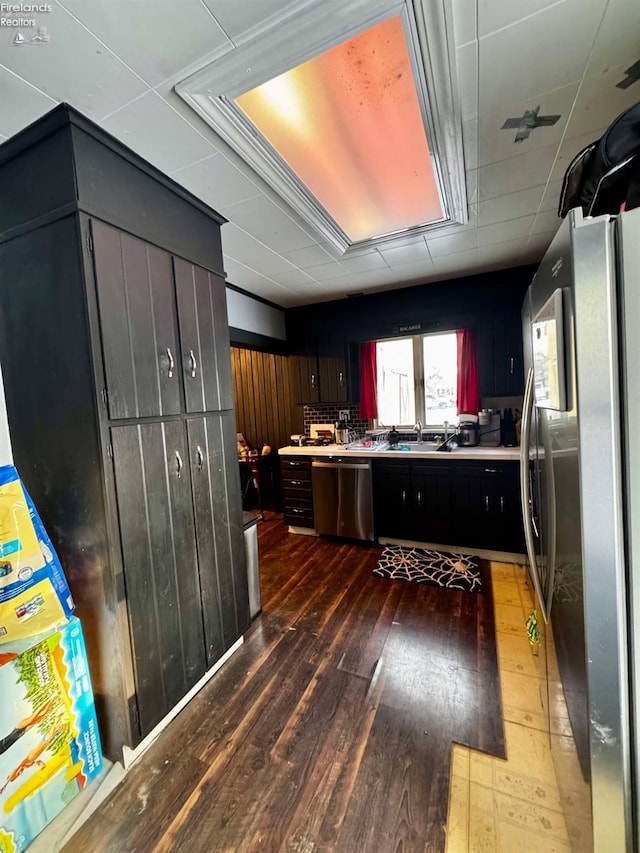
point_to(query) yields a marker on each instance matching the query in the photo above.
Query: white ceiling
(118, 62)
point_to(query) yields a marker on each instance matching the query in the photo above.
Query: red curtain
(468, 397)
(368, 380)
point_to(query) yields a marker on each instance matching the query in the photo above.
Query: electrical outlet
(344, 414)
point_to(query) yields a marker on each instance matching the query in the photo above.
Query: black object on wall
(115, 354)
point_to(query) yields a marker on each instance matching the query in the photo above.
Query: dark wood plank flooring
(330, 729)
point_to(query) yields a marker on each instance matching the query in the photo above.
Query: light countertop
(494, 453)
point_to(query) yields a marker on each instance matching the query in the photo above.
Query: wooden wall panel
(265, 409)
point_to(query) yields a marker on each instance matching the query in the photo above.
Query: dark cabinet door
(218, 518)
(155, 508)
(431, 494)
(508, 371)
(392, 503)
(204, 338)
(136, 301)
(469, 506)
(332, 371)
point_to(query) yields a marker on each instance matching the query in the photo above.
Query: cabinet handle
(491, 470)
(313, 380)
(486, 502)
(179, 463)
(171, 363)
(419, 498)
(404, 497)
(297, 511)
(501, 504)
(194, 364)
(511, 365)
(296, 482)
(341, 378)
(200, 456)
(294, 464)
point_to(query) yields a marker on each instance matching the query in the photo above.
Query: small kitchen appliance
(468, 431)
(297, 440)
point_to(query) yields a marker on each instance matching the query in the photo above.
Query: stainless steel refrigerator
(581, 508)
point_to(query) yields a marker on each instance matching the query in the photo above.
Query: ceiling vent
(351, 113)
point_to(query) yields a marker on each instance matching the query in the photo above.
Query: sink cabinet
(475, 504)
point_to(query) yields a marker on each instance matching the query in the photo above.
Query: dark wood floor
(330, 729)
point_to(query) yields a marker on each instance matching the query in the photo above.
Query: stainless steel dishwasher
(342, 497)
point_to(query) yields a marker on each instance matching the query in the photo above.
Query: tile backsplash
(329, 413)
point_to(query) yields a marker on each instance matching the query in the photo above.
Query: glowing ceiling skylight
(348, 123)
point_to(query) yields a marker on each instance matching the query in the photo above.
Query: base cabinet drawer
(297, 496)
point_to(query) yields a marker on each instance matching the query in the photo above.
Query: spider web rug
(455, 571)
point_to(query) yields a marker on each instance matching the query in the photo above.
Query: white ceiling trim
(311, 30)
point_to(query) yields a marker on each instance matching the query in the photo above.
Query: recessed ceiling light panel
(348, 124)
(350, 112)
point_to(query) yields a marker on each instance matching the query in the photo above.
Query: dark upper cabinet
(500, 360)
(109, 284)
(305, 372)
(136, 299)
(204, 338)
(321, 371)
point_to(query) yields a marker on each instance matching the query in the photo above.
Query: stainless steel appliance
(581, 508)
(468, 434)
(342, 497)
(250, 526)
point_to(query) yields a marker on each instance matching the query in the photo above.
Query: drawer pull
(296, 482)
(491, 470)
(419, 498)
(404, 496)
(511, 365)
(298, 511)
(501, 504)
(486, 502)
(341, 378)
(294, 464)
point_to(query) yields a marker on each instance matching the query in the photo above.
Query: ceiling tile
(539, 54)
(496, 143)
(503, 231)
(464, 21)
(266, 220)
(617, 37)
(243, 248)
(470, 144)
(551, 197)
(568, 150)
(217, 182)
(517, 173)
(460, 262)
(496, 14)
(308, 256)
(21, 103)
(239, 19)
(327, 271)
(546, 221)
(511, 206)
(74, 67)
(294, 278)
(151, 128)
(453, 244)
(363, 263)
(467, 64)
(411, 253)
(156, 38)
(600, 101)
(511, 253)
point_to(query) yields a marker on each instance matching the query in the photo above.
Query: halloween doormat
(419, 565)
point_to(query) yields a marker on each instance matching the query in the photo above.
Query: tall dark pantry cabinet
(115, 353)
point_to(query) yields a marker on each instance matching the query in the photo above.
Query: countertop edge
(479, 453)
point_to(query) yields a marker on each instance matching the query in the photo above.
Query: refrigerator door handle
(526, 499)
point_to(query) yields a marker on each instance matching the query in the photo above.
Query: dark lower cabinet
(297, 495)
(475, 504)
(153, 481)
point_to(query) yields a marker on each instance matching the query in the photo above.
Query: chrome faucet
(418, 428)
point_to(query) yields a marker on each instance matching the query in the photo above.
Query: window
(417, 379)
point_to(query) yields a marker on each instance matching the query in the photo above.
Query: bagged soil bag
(34, 595)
